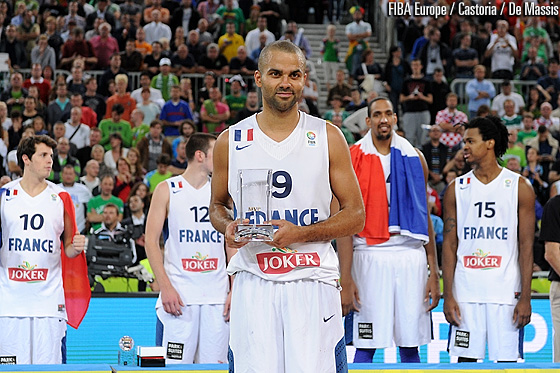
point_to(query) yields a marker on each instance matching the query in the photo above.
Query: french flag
(178, 184)
(243, 135)
(466, 181)
(11, 192)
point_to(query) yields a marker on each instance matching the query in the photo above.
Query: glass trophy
(126, 351)
(254, 188)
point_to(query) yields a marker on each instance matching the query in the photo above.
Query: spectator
(104, 46)
(182, 61)
(121, 97)
(271, 11)
(97, 204)
(89, 117)
(43, 85)
(15, 49)
(252, 41)
(356, 103)
(528, 130)
(161, 173)
(467, 27)
(534, 172)
(536, 36)
(123, 180)
(251, 106)
(79, 192)
(174, 112)
(396, 71)
(204, 91)
(205, 37)
(115, 152)
(43, 54)
(61, 157)
(415, 97)
(187, 94)
(60, 107)
(55, 41)
(110, 74)
(551, 82)
(91, 179)
(136, 223)
(479, 91)
(440, 89)
(152, 145)
(179, 162)
(186, 129)
(155, 94)
(435, 54)
(77, 132)
(229, 42)
(196, 49)
(507, 94)
(156, 30)
(76, 83)
(30, 110)
(357, 32)
(513, 150)
(436, 154)
(98, 154)
(28, 32)
(131, 59)
(299, 39)
(101, 12)
(14, 94)
(229, 13)
(311, 93)
(532, 69)
(214, 113)
(502, 50)
(73, 16)
(547, 120)
(337, 109)
(236, 99)
(165, 79)
(368, 67)
(510, 118)
(90, 34)
(141, 44)
(255, 53)
(78, 48)
(149, 15)
(94, 100)
(414, 38)
(251, 16)
(547, 146)
(5, 120)
(113, 125)
(84, 154)
(241, 64)
(139, 127)
(185, 16)
(465, 57)
(450, 121)
(149, 109)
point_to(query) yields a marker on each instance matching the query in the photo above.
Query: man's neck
(417, 76)
(111, 227)
(32, 184)
(68, 185)
(278, 125)
(115, 69)
(435, 142)
(382, 146)
(487, 170)
(195, 175)
(138, 214)
(90, 93)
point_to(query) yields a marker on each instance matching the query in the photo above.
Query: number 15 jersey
(487, 269)
(301, 194)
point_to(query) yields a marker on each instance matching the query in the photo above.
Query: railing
(520, 86)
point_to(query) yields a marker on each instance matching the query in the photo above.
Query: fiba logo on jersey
(199, 263)
(311, 138)
(284, 260)
(482, 260)
(27, 273)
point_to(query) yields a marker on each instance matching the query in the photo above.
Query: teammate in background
(35, 215)
(193, 304)
(287, 318)
(486, 272)
(387, 263)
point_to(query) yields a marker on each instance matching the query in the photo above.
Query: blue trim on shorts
(449, 337)
(340, 358)
(349, 328)
(230, 360)
(63, 348)
(521, 337)
(159, 332)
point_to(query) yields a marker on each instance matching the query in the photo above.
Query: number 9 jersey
(30, 257)
(487, 268)
(301, 194)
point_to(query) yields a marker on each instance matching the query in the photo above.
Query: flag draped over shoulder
(408, 212)
(77, 291)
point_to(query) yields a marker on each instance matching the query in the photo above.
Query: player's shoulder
(11, 184)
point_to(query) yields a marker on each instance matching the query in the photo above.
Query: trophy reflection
(254, 188)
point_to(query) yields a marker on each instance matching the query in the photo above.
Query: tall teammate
(384, 268)
(192, 273)
(286, 314)
(35, 214)
(487, 250)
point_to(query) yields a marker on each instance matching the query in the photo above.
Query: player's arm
(349, 295)
(221, 204)
(449, 255)
(74, 244)
(227, 306)
(432, 287)
(159, 207)
(522, 311)
(350, 219)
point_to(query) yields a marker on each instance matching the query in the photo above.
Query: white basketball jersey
(301, 194)
(30, 262)
(194, 257)
(487, 270)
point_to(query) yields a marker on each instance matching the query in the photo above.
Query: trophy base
(258, 233)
